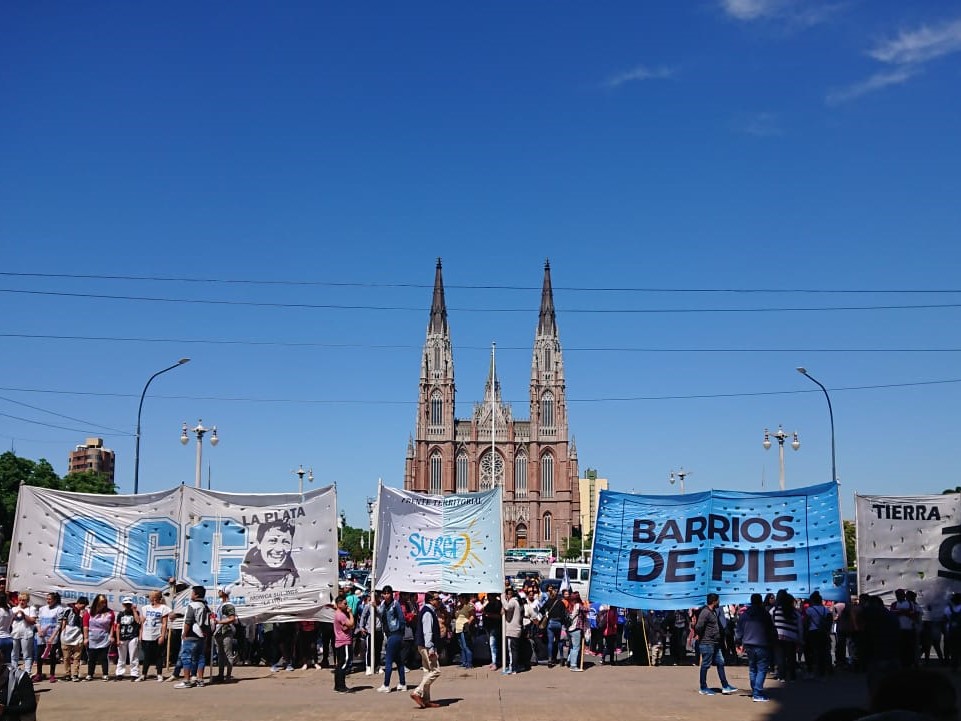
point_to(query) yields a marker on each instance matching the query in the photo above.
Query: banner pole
(372, 662)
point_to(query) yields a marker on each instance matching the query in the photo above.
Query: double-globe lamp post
(679, 476)
(781, 436)
(136, 455)
(834, 467)
(300, 476)
(200, 432)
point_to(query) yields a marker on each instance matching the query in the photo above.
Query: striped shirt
(788, 626)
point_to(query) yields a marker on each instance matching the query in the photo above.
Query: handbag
(542, 624)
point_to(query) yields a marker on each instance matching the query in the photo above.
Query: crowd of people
(777, 635)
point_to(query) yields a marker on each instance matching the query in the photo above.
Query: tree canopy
(15, 470)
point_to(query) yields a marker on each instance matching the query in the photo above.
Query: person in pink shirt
(343, 638)
(97, 630)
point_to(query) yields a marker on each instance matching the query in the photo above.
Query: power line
(408, 346)
(48, 425)
(362, 284)
(69, 418)
(609, 399)
(421, 309)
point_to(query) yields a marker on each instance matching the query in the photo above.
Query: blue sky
(680, 151)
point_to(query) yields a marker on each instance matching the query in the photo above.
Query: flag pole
(500, 504)
(372, 645)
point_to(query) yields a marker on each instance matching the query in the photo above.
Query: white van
(578, 573)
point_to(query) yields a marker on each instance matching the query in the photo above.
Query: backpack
(202, 626)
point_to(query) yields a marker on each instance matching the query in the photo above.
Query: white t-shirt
(21, 629)
(48, 620)
(152, 621)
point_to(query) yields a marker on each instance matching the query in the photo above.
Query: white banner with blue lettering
(450, 543)
(276, 552)
(910, 542)
(669, 552)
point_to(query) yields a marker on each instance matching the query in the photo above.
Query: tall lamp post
(200, 432)
(679, 476)
(300, 476)
(136, 454)
(781, 436)
(834, 468)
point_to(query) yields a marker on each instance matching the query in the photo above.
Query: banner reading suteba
(668, 552)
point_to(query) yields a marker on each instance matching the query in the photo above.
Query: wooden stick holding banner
(372, 644)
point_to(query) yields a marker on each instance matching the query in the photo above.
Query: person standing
(908, 614)
(153, 634)
(513, 627)
(23, 630)
(71, 636)
(427, 636)
(755, 633)
(343, 637)
(6, 625)
(97, 632)
(48, 634)
(790, 629)
(708, 630)
(611, 632)
(194, 636)
(492, 624)
(680, 628)
(463, 628)
(225, 635)
(393, 622)
(817, 649)
(127, 637)
(556, 614)
(576, 631)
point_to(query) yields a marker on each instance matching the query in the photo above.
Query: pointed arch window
(546, 525)
(462, 468)
(547, 411)
(520, 476)
(436, 474)
(547, 476)
(436, 409)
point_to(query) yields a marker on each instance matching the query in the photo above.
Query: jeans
(341, 660)
(758, 658)
(494, 641)
(511, 659)
(395, 647)
(152, 656)
(553, 639)
(191, 651)
(787, 660)
(466, 654)
(574, 657)
(711, 654)
(23, 648)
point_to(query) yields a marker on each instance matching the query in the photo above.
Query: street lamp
(781, 436)
(834, 468)
(300, 475)
(136, 455)
(679, 476)
(200, 432)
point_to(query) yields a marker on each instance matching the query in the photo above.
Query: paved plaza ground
(600, 693)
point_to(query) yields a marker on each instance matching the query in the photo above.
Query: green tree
(956, 489)
(572, 549)
(357, 542)
(851, 543)
(16, 471)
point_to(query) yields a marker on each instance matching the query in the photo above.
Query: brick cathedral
(535, 460)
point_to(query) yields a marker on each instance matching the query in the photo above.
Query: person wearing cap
(126, 631)
(225, 635)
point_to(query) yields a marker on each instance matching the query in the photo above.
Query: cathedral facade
(535, 459)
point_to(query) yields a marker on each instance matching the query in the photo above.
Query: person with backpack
(817, 649)
(708, 630)
(71, 636)
(196, 631)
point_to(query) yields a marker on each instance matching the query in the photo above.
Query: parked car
(521, 577)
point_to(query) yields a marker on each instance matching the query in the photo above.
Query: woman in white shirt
(6, 622)
(23, 629)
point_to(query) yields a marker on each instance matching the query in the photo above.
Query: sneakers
(760, 699)
(184, 684)
(105, 678)
(160, 679)
(199, 683)
(577, 669)
(707, 692)
(728, 690)
(402, 687)
(275, 668)
(383, 689)
(289, 668)
(88, 677)
(317, 665)
(138, 679)
(304, 667)
(77, 679)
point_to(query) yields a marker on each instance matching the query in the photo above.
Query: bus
(535, 555)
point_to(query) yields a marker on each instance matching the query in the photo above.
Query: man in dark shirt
(18, 702)
(708, 630)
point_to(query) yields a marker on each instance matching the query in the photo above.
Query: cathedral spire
(547, 324)
(438, 307)
(493, 387)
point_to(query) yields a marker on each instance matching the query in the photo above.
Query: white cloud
(921, 45)
(877, 81)
(761, 125)
(802, 13)
(639, 73)
(906, 54)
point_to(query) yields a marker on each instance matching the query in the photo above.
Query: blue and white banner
(451, 543)
(669, 552)
(276, 552)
